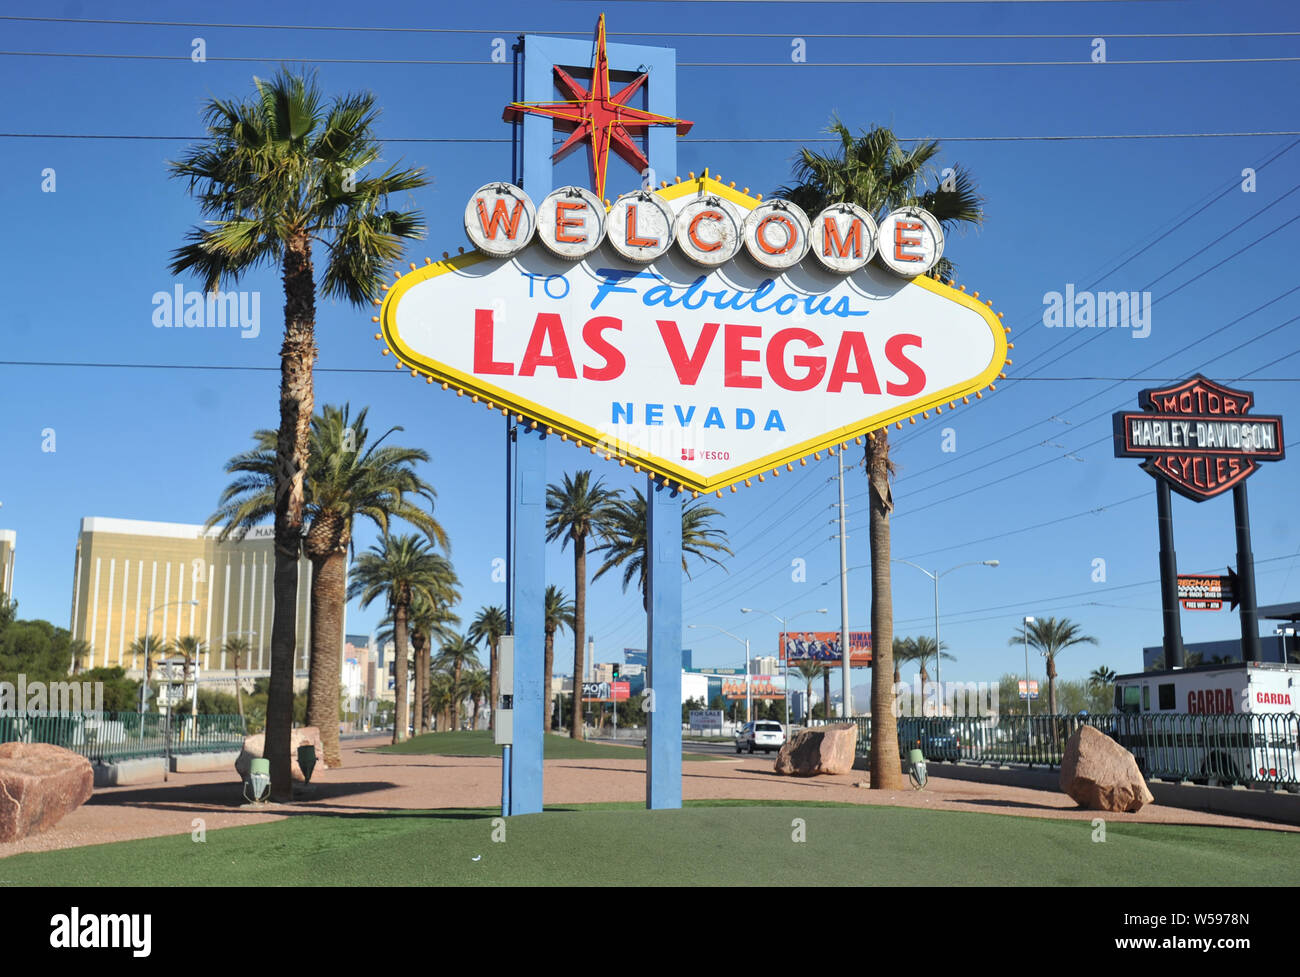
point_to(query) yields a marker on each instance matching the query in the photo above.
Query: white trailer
(1227, 723)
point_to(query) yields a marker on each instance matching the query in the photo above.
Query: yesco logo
(104, 931)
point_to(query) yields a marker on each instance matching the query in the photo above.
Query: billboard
(695, 332)
(824, 646)
(760, 687)
(1206, 592)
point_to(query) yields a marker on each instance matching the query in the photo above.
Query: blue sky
(83, 262)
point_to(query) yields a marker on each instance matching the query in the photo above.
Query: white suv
(762, 735)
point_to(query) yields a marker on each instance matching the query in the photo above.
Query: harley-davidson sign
(1198, 436)
(684, 331)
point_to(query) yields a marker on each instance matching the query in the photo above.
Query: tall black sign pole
(1250, 646)
(1173, 627)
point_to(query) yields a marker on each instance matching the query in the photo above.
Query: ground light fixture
(259, 780)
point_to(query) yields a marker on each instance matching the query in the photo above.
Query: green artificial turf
(479, 743)
(708, 842)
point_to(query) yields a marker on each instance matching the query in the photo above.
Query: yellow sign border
(675, 474)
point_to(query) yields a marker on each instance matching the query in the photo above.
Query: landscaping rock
(1101, 775)
(825, 749)
(39, 784)
(255, 746)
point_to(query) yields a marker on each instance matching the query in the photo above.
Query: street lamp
(743, 641)
(785, 628)
(1029, 700)
(938, 653)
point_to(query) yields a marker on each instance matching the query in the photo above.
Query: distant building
(132, 578)
(8, 544)
(765, 665)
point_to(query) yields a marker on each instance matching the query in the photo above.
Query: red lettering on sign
(548, 330)
(593, 336)
(687, 366)
(490, 224)
(831, 239)
(853, 349)
(894, 347)
(563, 222)
(735, 356)
(901, 242)
(692, 230)
(483, 362)
(815, 365)
(791, 234)
(631, 237)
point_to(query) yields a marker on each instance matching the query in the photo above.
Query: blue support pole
(528, 605)
(664, 584)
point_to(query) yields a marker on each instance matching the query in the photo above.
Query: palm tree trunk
(297, 356)
(419, 644)
(455, 697)
(826, 692)
(399, 672)
(885, 767)
(328, 594)
(579, 630)
(492, 685)
(1051, 684)
(239, 693)
(549, 663)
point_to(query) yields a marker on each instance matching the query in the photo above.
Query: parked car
(764, 735)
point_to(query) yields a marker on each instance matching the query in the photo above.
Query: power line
(784, 140)
(587, 32)
(236, 59)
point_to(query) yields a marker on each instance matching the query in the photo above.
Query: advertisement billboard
(824, 646)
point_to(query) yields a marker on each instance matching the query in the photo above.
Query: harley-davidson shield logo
(1198, 436)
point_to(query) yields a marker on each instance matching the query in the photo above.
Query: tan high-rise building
(8, 544)
(134, 578)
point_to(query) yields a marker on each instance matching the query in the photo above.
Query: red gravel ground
(391, 782)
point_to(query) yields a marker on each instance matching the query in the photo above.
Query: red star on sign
(597, 117)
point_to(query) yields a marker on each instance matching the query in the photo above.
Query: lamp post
(938, 653)
(785, 628)
(743, 641)
(1029, 699)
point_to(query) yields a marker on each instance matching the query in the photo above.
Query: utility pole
(846, 695)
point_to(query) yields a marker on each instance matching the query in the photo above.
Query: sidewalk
(384, 782)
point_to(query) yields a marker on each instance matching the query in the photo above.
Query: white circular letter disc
(843, 238)
(500, 219)
(776, 234)
(911, 241)
(707, 232)
(639, 226)
(571, 222)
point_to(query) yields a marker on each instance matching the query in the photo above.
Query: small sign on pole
(1029, 690)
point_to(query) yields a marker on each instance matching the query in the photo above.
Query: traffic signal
(615, 673)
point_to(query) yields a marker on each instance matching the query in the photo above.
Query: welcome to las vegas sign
(694, 331)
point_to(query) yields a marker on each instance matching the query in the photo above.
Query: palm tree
(428, 623)
(559, 615)
(809, 670)
(151, 648)
(348, 475)
(277, 174)
(457, 655)
(1101, 677)
(923, 654)
(440, 696)
(237, 647)
(876, 173)
(904, 651)
(626, 542)
(1051, 637)
(477, 687)
(489, 625)
(575, 510)
(399, 568)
